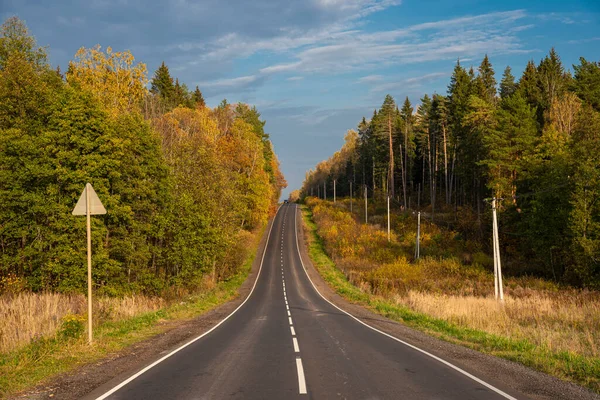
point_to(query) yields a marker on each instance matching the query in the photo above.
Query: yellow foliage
(113, 77)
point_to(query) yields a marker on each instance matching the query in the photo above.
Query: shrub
(72, 327)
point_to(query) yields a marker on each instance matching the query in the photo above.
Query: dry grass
(28, 316)
(443, 286)
(560, 323)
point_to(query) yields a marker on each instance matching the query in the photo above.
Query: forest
(184, 185)
(533, 143)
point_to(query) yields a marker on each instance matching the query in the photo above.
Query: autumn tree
(114, 77)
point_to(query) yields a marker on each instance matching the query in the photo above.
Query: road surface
(286, 341)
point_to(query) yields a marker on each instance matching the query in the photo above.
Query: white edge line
(301, 381)
(131, 378)
(454, 367)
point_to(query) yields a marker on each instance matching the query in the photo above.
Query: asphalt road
(287, 342)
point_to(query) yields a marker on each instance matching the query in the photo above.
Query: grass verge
(562, 364)
(45, 358)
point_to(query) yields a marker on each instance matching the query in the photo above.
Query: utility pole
(350, 197)
(419, 198)
(418, 246)
(334, 191)
(366, 215)
(498, 288)
(388, 215)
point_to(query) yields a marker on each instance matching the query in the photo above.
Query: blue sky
(315, 67)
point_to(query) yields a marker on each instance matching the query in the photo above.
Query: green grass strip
(47, 357)
(564, 365)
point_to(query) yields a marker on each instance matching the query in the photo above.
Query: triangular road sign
(96, 206)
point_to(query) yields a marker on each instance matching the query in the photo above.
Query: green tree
(528, 85)
(585, 200)
(507, 85)
(552, 81)
(485, 83)
(162, 83)
(587, 82)
(197, 98)
(509, 145)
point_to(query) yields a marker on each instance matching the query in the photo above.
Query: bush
(72, 327)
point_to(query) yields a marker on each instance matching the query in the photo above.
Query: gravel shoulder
(94, 379)
(533, 384)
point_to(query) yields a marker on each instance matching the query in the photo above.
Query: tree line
(184, 185)
(533, 143)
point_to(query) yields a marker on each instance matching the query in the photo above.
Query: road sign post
(89, 204)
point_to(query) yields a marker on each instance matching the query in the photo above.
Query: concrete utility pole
(350, 197)
(334, 191)
(366, 215)
(388, 213)
(418, 246)
(498, 287)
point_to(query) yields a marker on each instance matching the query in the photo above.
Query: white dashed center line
(299, 367)
(301, 381)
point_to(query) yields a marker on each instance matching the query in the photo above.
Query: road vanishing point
(286, 341)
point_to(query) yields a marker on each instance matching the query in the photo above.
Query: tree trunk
(391, 173)
(402, 170)
(445, 164)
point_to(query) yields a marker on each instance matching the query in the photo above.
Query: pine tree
(552, 81)
(507, 85)
(528, 85)
(384, 125)
(162, 83)
(584, 224)
(509, 144)
(587, 82)
(198, 99)
(486, 83)
(408, 120)
(178, 94)
(459, 91)
(422, 140)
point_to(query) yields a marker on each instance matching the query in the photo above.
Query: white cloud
(338, 49)
(407, 83)
(370, 79)
(232, 85)
(492, 33)
(295, 78)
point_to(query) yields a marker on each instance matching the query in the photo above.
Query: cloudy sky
(315, 67)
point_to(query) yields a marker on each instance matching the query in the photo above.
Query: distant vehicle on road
(285, 201)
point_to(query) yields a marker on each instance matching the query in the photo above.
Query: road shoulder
(99, 377)
(504, 373)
